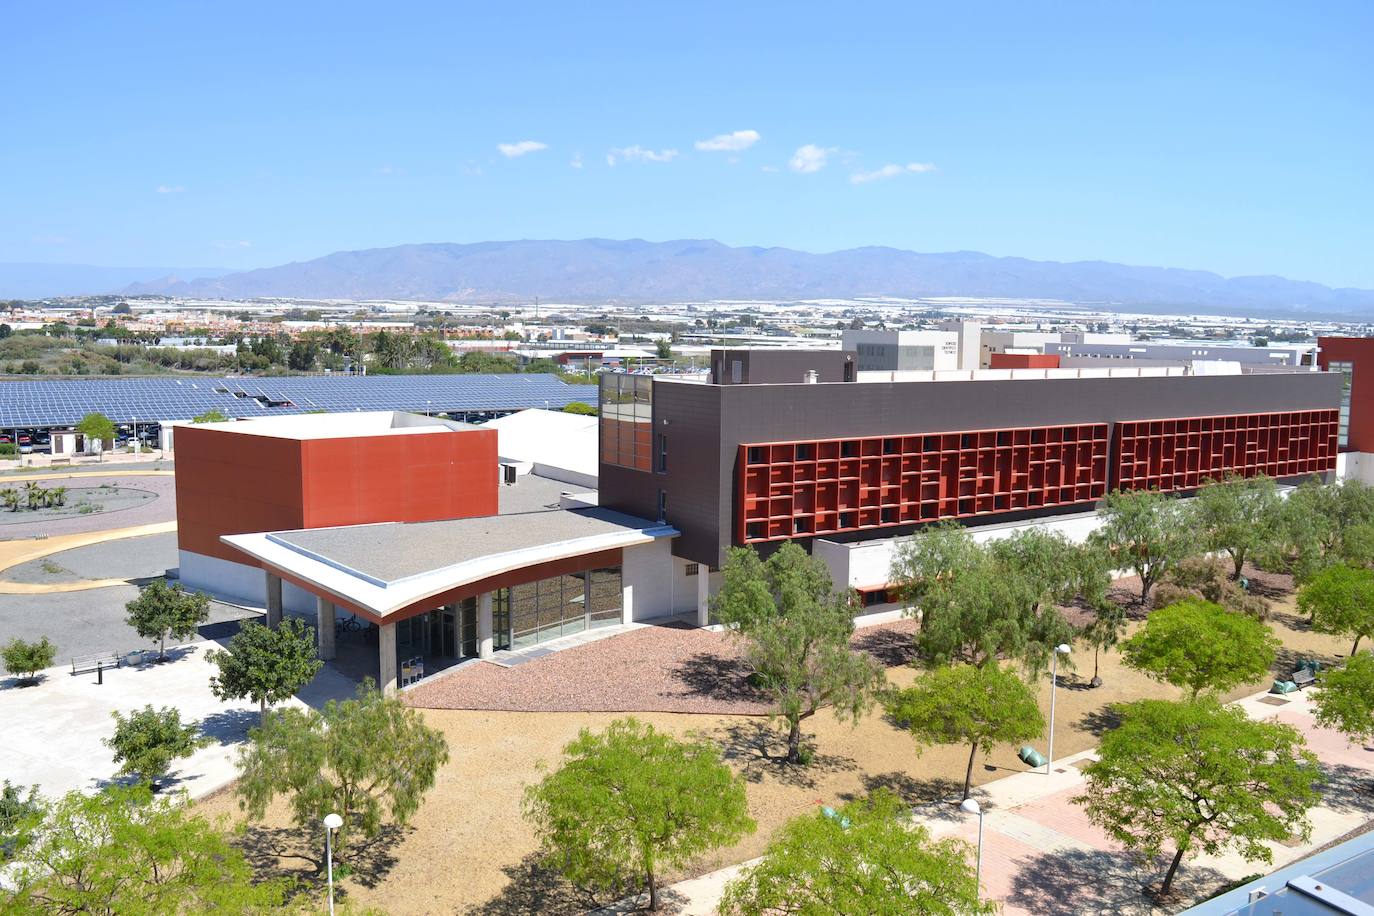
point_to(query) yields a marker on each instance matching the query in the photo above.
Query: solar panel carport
(62, 402)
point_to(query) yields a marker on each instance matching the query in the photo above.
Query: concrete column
(386, 658)
(484, 629)
(324, 627)
(627, 599)
(703, 595)
(273, 601)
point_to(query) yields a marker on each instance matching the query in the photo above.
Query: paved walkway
(12, 553)
(1041, 855)
(54, 730)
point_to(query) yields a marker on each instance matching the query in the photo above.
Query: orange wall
(1023, 361)
(1359, 352)
(233, 483)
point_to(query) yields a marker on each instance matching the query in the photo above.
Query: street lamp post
(1061, 649)
(971, 806)
(332, 822)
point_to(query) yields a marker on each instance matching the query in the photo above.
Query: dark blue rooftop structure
(63, 402)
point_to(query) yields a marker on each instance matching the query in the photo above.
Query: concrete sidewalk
(54, 730)
(1041, 855)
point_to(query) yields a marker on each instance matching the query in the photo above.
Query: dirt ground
(468, 849)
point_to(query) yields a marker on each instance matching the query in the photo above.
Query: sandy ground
(469, 850)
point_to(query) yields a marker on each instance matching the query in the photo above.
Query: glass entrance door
(468, 609)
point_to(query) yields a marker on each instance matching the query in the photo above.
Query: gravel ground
(654, 669)
(158, 506)
(125, 558)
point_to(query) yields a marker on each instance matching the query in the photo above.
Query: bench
(1303, 677)
(98, 660)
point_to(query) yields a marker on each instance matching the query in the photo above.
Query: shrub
(26, 659)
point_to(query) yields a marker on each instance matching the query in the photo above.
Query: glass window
(1347, 370)
(626, 420)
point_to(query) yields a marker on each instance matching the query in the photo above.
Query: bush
(26, 659)
(1206, 578)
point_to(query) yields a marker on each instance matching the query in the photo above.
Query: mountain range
(41, 281)
(602, 270)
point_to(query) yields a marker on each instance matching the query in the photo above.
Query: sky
(1235, 137)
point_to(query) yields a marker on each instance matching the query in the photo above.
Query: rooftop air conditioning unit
(811, 377)
(508, 474)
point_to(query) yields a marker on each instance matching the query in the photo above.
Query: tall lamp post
(1061, 649)
(332, 822)
(971, 806)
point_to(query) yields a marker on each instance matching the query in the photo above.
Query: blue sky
(1237, 137)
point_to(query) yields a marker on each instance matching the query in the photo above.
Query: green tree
(16, 811)
(979, 604)
(867, 858)
(163, 610)
(963, 704)
(1102, 632)
(1197, 646)
(663, 348)
(265, 665)
(147, 740)
(1200, 777)
(478, 362)
(796, 629)
(97, 426)
(1344, 698)
(213, 415)
(366, 759)
(630, 801)
(1340, 601)
(580, 408)
(123, 851)
(1146, 532)
(1238, 516)
(26, 659)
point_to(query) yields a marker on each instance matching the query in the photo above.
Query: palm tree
(57, 496)
(33, 494)
(10, 496)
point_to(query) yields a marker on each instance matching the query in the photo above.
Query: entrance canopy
(387, 570)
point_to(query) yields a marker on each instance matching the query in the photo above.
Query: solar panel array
(62, 402)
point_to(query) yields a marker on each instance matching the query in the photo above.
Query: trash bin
(1031, 757)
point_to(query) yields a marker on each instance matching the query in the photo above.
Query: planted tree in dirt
(1197, 646)
(1146, 532)
(123, 851)
(1344, 698)
(630, 802)
(163, 610)
(265, 665)
(1340, 601)
(366, 759)
(1209, 579)
(1102, 632)
(147, 740)
(981, 604)
(17, 809)
(867, 858)
(795, 628)
(1196, 776)
(1238, 516)
(25, 659)
(963, 704)
(1321, 525)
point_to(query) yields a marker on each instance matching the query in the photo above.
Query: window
(691, 569)
(663, 454)
(662, 506)
(626, 420)
(1347, 370)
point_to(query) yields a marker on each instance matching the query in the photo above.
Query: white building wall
(649, 580)
(238, 583)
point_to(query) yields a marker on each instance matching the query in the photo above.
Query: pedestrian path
(1041, 855)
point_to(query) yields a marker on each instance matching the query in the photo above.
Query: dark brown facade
(780, 367)
(699, 430)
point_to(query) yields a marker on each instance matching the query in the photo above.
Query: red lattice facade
(1180, 454)
(805, 488)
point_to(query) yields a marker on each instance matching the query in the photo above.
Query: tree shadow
(937, 797)
(1100, 721)
(1101, 882)
(758, 751)
(534, 888)
(720, 677)
(1348, 789)
(14, 682)
(229, 726)
(889, 646)
(288, 852)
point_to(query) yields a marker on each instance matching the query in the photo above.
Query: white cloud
(891, 170)
(638, 153)
(170, 189)
(729, 143)
(576, 162)
(512, 150)
(809, 158)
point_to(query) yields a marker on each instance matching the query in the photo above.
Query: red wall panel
(1359, 352)
(1023, 361)
(233, 483)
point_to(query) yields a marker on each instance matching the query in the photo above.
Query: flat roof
(386, 567)
(340, 425)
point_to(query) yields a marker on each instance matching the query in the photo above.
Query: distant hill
(592, 270)
(42, 281)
